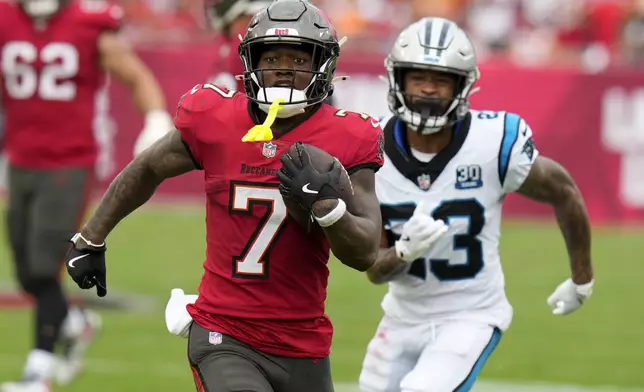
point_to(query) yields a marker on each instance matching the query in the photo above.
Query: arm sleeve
(517, 153)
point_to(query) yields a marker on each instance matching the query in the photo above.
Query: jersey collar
(398, 151)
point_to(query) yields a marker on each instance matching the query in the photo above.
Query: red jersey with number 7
(51, 76)
(265, 276)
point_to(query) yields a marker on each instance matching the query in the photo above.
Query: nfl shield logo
(424, 181)
(269, 150)
(215, 338)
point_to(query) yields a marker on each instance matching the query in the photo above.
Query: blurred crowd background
(588, 34)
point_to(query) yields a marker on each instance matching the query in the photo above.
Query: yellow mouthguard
(263, 132)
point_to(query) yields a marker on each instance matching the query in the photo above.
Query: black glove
(301, 182)
(86, 264)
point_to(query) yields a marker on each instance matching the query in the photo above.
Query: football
(322, 162)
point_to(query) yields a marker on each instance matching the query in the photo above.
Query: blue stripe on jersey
(398, 134)
(476, 370)
(510, 135)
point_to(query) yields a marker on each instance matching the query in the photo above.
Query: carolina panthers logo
(528, 148)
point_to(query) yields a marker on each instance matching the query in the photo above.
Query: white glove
(419, 234)
(569, 297)
(157, 124)
(177, 318)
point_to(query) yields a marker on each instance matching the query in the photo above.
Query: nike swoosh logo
(406, 238)
(75, 259)
(306, 189)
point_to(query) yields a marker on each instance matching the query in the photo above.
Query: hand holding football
(323, 163)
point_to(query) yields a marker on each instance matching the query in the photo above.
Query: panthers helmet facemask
(434, 44)
(41, 8)
(290, 22)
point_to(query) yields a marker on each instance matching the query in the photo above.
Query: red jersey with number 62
(51, 75)
(265, 276)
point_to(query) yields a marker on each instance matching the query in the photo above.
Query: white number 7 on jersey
(253, 261)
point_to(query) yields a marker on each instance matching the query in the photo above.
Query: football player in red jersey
(53, 56)
(259, 320)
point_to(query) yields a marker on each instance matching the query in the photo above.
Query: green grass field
(157, 249)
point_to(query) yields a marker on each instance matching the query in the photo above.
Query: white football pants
(435, 357)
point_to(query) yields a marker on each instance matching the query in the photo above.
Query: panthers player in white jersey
(441, 189)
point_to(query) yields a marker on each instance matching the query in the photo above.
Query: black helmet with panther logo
(295, 22)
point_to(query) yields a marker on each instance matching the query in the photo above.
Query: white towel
(177, 318)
